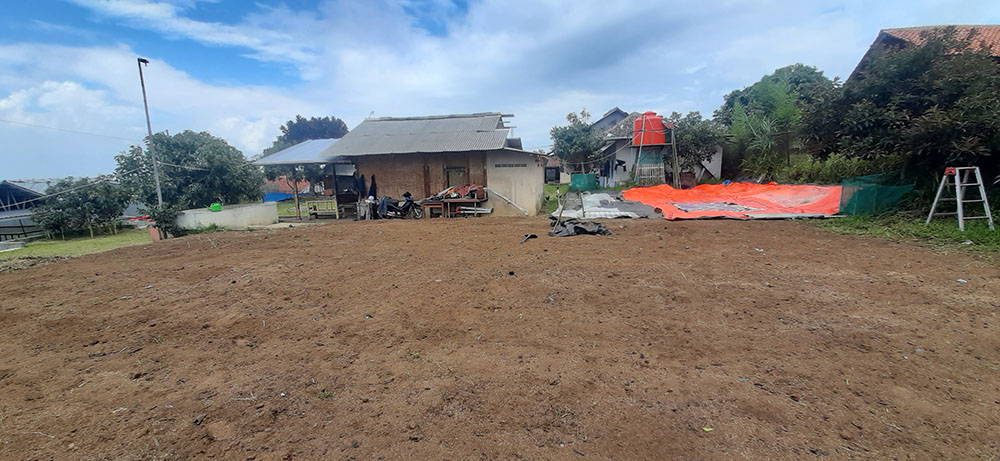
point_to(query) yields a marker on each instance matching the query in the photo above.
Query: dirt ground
(449, 340)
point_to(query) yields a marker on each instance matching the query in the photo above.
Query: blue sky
(240, 69)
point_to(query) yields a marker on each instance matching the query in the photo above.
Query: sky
(241, 69)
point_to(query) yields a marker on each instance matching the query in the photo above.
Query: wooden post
(677, 167)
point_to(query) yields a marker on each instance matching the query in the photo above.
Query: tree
(76, 204)
(294, 132)
(576, 143)
(930, 106)
(197, 169)
(799, 80)
(697, 138)
(303, 129)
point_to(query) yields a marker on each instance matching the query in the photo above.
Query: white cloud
(536, 59)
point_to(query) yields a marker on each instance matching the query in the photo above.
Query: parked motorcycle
(389, 208)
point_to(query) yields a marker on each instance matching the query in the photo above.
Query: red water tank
(649, 130)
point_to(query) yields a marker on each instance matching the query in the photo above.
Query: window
(510, 165)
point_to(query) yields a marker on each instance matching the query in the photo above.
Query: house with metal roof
(425, 155)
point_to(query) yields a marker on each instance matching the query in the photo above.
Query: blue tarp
(276, 196)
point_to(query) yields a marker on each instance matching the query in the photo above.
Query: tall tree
(929, 106)
(196, 170)
(303, 129)
(575, 142)
(697, 138)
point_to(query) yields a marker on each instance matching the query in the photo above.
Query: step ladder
(960, 179)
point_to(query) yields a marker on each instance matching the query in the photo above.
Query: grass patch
(941, 232)
(288, 208)
(81, 245)
(551, 195)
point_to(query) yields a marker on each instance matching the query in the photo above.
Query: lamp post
(149, 129)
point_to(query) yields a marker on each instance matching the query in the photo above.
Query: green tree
(302, 129)
(196, 170)
(697, 138)
(929, 106)
(799, 80)
(576, 143)
(77, 204)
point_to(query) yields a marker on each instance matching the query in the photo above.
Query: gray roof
(408, 135)
(306, 152)
(37, 186)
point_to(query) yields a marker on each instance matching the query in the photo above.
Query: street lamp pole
(149, 129)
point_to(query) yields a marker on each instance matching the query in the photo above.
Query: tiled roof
(988, 35)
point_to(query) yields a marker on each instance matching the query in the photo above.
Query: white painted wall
(522, 184)
(231, 216)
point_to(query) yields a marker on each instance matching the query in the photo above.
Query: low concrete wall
(231, 216)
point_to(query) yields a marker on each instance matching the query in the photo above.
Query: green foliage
(82, 204)
(551, 195)
(303, 129)
(771, 93)
(805, 169)
(697, 138)
(209, 229)
(166, 220)
(933, 105)
(197, 169)
(576, 143)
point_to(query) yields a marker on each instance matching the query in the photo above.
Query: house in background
(425, 155)
(984, 37)
(620, 154)
(304, 153)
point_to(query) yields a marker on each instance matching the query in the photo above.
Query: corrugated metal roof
(407, 135)
(311, 151)
(38, 186)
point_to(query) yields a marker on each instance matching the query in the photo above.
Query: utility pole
(149, 129)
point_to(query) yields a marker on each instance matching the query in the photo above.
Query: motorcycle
(389, 208)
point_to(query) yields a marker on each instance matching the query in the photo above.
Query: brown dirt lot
(786, 341)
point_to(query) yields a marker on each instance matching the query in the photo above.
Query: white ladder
(961, 181)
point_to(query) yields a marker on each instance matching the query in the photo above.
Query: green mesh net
(870, 195)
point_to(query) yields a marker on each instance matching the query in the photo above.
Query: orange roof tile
(988, 35)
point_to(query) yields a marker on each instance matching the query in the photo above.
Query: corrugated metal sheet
(38, 186)
(311, 151)
(447, 133)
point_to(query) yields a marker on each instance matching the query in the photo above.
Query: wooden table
(449, 203)
(427, 207)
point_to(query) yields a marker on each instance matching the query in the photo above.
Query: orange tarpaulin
(739, 200)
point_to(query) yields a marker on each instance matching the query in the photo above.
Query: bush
(833, 170)
(166, 220)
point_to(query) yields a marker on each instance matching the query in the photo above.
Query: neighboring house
(425, 155)
(621, 155)
(985, 37)
(618, 152)
(609, 120)
(304, 153)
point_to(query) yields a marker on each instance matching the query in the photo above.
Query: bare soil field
(446, 339)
